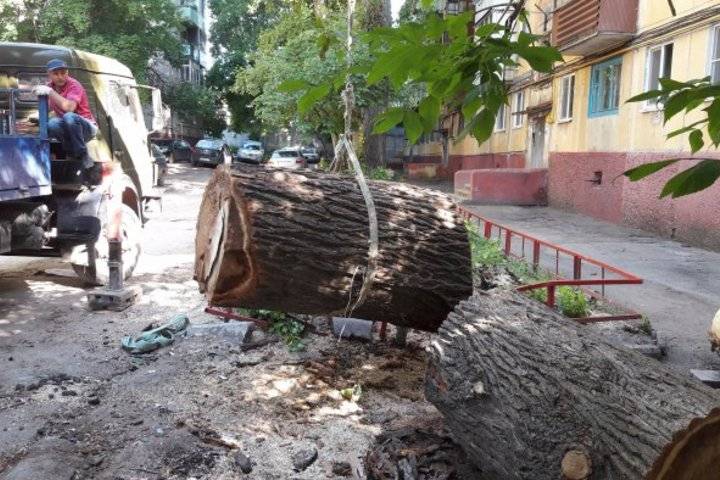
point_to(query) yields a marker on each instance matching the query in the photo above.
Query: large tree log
(531, 395)
(298, 242)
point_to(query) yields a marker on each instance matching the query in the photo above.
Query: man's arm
(62, 102)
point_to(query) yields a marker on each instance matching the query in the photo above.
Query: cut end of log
(576, 465)
(693, 453)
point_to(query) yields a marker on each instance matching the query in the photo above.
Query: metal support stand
(114, 296)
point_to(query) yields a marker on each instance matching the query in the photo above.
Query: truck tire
(131, 231)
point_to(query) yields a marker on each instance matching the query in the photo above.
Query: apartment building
(577, 127)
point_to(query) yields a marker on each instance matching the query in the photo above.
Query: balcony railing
(584, 27)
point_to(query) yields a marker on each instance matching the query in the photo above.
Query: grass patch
(572, 302)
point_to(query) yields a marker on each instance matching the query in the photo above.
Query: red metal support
(577, 267)
(488, 230)
(508, 242)
(550, 296)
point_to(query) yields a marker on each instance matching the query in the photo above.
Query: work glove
(42, 90)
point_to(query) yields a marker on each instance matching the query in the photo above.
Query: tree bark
(297, 241)
(532, 395)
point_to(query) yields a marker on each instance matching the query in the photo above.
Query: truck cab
(46, 208)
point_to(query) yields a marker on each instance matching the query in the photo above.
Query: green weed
(572, 302)
(281, 324)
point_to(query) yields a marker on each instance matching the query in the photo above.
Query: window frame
(595, 93)
(654, 105)
(563, 118)
(518, 118)
(501, 114)
(713, 43)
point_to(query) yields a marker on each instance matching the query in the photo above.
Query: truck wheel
(131, 231)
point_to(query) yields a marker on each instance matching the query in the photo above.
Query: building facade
(577, 124)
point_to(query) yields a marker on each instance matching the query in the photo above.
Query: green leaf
(675, 104)
(680, 131)
(696, 140)
(292, 85)
(429, 111)
(649, 95)
(311, 97)
(484, 125)
(381, 68)
(668, 84)
(642, 171)
(413, 126)
(388, 120)
(692, 180)
(713, 115)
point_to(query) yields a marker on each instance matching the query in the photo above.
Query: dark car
(175, 150)
(211, 151)
(311, 154)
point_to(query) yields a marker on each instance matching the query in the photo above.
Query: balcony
(584, 27)
(190, 12)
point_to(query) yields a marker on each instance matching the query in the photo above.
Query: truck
(46, 207)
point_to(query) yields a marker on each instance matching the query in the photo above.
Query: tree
(119, 29)
(457, 68)
(304, 48)
(199, 102)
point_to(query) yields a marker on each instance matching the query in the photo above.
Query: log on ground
(532, 395)
(298, 242)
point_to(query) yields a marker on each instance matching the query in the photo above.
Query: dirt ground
(73, 405)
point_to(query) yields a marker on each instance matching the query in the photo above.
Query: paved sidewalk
(681, 292)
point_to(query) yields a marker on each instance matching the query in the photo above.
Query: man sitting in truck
(73, 123)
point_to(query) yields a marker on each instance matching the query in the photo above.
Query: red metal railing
(516, 244)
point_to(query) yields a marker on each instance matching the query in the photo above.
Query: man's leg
(77, 132)
(56, 130)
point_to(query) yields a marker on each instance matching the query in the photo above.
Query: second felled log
(531, 395)
(298, 242)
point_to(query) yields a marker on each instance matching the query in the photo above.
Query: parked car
(311, 154)
(211, 151)
(290, 158)
(175, 150)
(250, 152)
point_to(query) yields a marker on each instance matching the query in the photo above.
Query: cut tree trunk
(532, 395)
(298, 242)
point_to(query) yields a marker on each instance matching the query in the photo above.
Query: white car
(290, 158)
(250, 152)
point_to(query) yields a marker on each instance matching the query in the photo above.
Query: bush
(381, 173)
(572, 302)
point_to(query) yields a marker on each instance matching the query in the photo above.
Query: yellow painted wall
(635, 127)
(654, 13)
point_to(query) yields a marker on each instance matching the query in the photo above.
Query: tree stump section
(298, 242)
(532, 395)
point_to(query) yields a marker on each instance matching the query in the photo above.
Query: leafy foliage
(290, 330)
(572, 302)
(455, 68)
(679, 98)
(122, 30)
(282, 73)
(197, 102)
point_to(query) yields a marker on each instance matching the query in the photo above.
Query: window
(567, 96)
(714, 65)
(659, 65)
(518, 110)
(605, 88)
(500, 119)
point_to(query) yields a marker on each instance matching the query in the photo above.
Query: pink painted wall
(693, 218)
(503, 186)
(419, 168)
